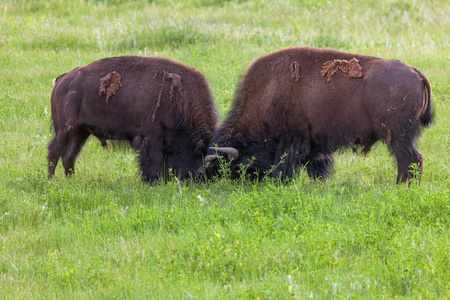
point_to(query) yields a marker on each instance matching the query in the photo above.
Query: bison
(163, 108)
(296, 106)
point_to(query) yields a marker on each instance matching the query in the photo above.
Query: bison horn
(210, 158)
(232, 152)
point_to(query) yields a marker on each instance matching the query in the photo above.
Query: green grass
(104, 234)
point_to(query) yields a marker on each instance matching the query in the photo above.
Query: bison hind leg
(320, 167)
(66, 144)
(409, 160)
(55, 149)
(75, 143)
(402, 144)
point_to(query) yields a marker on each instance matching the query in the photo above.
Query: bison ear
(200, 147)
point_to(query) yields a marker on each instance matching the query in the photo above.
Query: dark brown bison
(162, 107)
(306, 103)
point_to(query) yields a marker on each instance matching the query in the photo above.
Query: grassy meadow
(104, 234)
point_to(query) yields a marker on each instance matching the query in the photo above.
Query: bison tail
(55, 80)
(427, 116)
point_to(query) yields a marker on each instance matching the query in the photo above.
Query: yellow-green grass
(104, 234)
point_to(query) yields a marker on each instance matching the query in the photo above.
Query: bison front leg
(150, 159)
(320, 166)
(283, 163)
(289, 157)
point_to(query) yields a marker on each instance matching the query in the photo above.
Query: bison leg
(320, 166)
(55, 148)
(284, 167)
(294, 154)
(150, 158)
(75, 142)
(407, 155)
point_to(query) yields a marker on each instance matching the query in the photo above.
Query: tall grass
(104, 234)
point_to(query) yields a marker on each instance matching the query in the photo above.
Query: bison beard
(289, 112)
(168, 119)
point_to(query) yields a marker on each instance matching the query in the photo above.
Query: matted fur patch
(175, 81)
(352, 67)
(295, 70)
(110, 84)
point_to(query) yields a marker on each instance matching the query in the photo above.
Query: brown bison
(162, 107)
(298, 105)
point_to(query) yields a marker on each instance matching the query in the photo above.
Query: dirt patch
(352, 67)
(295, 70)
(175, 81)
(110, 84)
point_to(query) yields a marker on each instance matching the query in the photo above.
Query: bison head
(185, 159)
(180, 156)
(242, 156)
(184, 165)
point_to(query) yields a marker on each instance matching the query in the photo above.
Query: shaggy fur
(174, 113)
(371, 99)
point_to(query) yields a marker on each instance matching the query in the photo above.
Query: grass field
(104, 234)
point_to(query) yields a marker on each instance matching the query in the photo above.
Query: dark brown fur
(309, 119)
(170, 120)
